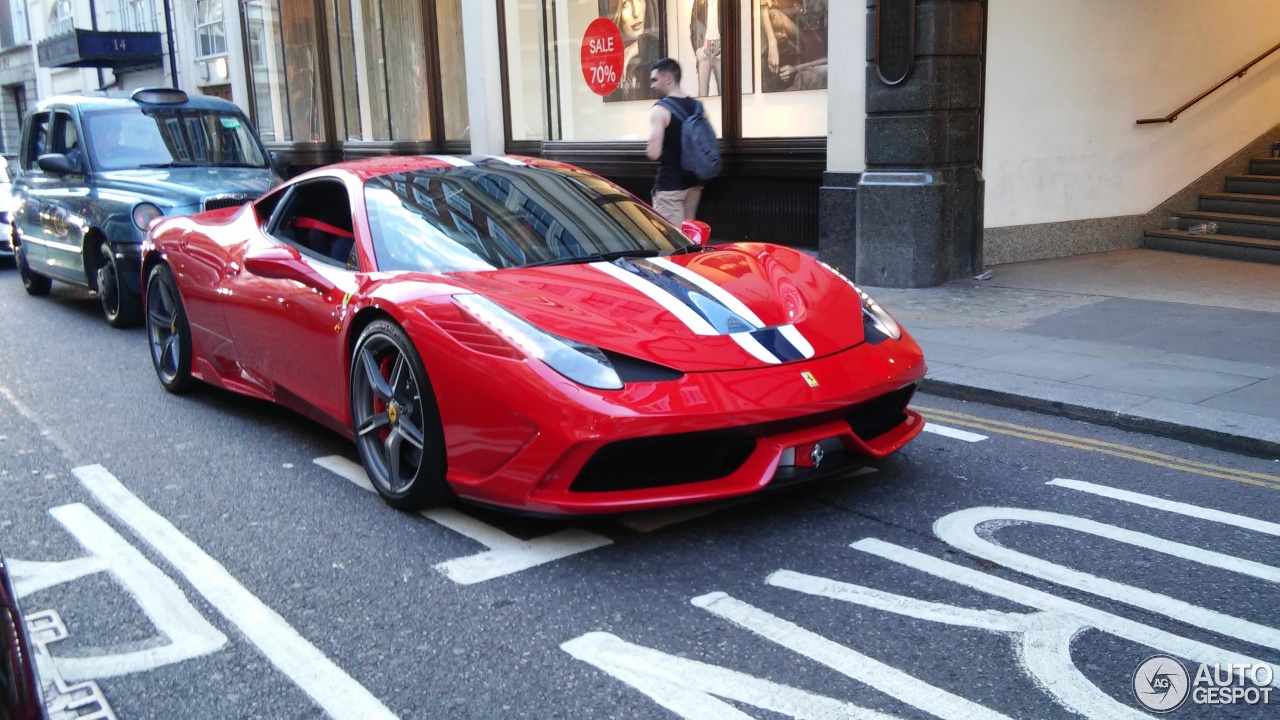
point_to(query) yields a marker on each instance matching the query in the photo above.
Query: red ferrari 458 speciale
(528, 335)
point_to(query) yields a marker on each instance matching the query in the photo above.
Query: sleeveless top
(670, 176)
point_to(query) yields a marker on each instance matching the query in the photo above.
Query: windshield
(165, 137)
(467, 219)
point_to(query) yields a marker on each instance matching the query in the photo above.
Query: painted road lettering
(1042, 637)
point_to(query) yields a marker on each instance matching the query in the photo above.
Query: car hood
(733, 307)
(189, 185)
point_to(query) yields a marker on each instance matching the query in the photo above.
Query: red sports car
(528, 335)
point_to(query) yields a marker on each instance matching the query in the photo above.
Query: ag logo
(1161, 684)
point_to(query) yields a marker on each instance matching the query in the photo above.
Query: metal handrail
(1237, 74)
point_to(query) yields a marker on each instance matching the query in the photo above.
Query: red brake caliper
(384, 367)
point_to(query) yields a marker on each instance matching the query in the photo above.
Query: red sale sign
(602, 56)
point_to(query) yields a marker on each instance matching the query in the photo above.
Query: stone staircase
(1246, 215)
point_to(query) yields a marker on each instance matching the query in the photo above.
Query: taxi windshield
(134, 138)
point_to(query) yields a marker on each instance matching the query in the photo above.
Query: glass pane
(134, 138)
(267, 70)
(527, 70)
(343, 64)
(376, 68)
(407, 74)
(453, 70)
(298, 23)
(790, 53)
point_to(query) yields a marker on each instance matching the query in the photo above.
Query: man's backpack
(699, 149)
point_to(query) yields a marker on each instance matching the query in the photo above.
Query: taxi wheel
(168, 334)
(121, 306)
(37, 285)
(396, 421)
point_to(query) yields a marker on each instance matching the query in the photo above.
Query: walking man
(676, 192)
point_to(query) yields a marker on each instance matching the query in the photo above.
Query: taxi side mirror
(56, 164)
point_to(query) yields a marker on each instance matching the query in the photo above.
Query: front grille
(665, 460)
(219, 202)
(878, 416)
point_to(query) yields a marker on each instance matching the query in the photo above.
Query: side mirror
(697, 231)
(277, 163)
(280, 262)
(56, 164)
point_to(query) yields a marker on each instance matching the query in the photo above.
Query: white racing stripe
(754, 348)
(453, 160)
(686, 315)
(724, 297)
(945, 431)
(1226, 518)
(323, 681)
(793, 336)
(507, 161)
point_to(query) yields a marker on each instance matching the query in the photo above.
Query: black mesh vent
(878, 416)
(664, 460)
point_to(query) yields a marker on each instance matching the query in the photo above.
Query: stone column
(919, 216)
(846, 133)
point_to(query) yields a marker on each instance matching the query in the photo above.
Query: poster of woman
(640, 22)
(793, 45)
(704, 40)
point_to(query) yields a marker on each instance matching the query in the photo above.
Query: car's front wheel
(121, 306)
(396, 421)
(168, 333)
(34, 283)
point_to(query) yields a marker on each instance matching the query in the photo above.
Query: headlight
(871, 310)
(581, 363)
(144, 213)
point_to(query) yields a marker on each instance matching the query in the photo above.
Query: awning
(120, 51)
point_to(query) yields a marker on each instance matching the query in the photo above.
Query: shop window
(781, 77)
(453, 69)
(396, 62)
(285, 70)
(134, 16)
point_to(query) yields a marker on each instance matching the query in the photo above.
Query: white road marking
(950, 432)
(1043, 639)
(506, 555)
(1240, 521)
(328, 685)
(1030, 597)
(185, 632)
(959, 529)
(863, 668)
(689, 688)
(62, 700)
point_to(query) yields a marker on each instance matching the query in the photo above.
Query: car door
(286, 305)
(29, 191)
(66, 198)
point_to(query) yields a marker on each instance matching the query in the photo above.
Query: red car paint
(517, 432)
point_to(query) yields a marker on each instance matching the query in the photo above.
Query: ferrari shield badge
(809, 378)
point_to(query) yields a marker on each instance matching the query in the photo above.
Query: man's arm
(659, 118)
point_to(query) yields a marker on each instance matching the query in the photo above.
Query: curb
(1194, 434)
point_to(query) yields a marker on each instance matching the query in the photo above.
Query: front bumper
(539, 451)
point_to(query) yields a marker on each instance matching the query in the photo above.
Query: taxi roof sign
(160, 96)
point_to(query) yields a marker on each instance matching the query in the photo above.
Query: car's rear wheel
(396, 421)
(34, 283)
(168, 333)
(121, 306)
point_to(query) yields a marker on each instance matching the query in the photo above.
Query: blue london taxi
(95, 170)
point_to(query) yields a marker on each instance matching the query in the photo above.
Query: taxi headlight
(144, 213)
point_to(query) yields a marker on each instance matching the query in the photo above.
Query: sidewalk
(1174, 345)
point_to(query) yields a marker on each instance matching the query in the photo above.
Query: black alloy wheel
(168, 334)
(35, 284)
(396, 421)
(120, 305)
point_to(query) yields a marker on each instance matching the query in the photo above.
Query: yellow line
(1104, 448)
(957, 417)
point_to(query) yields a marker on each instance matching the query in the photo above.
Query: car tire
(35, 284)
(121, 306)
(396, 421)
(168, 333)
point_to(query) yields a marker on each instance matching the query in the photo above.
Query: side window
(317, 221)
(66, 140)
(37, 138)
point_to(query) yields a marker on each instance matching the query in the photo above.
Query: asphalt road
(205, 566)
